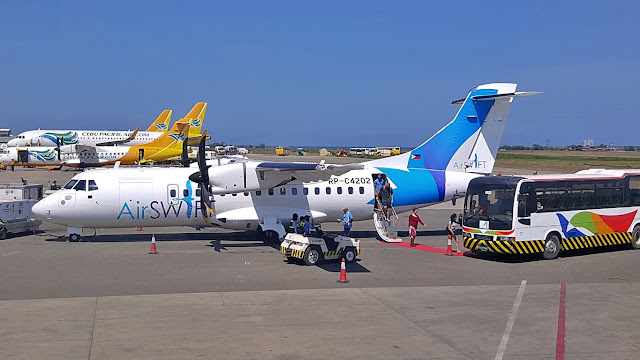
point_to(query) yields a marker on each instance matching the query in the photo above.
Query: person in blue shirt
(347, 221)
(378, 184)
(307, 226)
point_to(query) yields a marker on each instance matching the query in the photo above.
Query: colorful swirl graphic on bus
(68, 138)
(487, 232)
(595, 224)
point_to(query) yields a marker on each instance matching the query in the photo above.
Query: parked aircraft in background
(52, 138)
(247, 194)
(169, 144)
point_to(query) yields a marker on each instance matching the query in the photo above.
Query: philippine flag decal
(416, 156)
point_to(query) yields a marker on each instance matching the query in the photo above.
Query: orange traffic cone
(449, 252)
(153, 245)
(139, 228)
(343, 273)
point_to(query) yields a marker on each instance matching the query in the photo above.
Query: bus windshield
(490, 202)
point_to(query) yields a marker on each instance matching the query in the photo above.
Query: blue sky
(346, 73)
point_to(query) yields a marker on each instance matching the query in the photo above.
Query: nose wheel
(74, 237)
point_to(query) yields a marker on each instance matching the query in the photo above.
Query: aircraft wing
(305, 172)
(120, 142)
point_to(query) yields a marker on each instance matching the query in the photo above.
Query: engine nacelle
(239, 177)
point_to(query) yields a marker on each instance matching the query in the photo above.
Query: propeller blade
(204, 203)
(202, 161)
(184, 157)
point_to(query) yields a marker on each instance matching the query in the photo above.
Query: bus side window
(632, 188)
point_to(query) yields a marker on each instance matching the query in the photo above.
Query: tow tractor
(312, 250)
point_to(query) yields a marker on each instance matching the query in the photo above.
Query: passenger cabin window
(350, 190)
(328, 190)
(258, 193)
(270, 191)
(92, 185)
(185, 192)
(81, 185)
(361, 190)
(339, 190)
(305, 191)
(70, 184)
(317, 191)
(198, 192)
(283, 191)
(173, 193)
(294, 191)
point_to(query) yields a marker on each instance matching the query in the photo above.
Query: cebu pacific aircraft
(246, 194)
(169, 144)
(51, 138)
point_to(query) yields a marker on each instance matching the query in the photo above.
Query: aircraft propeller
(184, 156)
(202, 179)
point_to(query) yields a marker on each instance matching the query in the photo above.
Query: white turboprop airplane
(249, 195)
(52, 138)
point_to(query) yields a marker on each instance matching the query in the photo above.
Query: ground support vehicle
(312, 250)
(547, 214)
(16, 217)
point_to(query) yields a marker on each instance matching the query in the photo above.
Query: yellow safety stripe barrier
(537, 246)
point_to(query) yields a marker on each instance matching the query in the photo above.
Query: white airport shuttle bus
(239, 193)
(550, 213)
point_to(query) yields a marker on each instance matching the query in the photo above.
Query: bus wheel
(551, 247)
(635, 238)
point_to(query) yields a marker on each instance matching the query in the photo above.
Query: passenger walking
(414, 219)
(451, 230)
(377, 185)
(347, 221)
(386, 199)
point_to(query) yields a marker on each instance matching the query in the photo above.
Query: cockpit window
(70, 184)
(92, 185)
(81, 185)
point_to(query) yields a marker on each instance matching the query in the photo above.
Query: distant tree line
(569, 148)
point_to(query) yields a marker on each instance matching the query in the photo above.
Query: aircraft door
(23, 156)
(141, 154)
(173, 195)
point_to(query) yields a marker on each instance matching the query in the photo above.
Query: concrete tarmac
(223, 294)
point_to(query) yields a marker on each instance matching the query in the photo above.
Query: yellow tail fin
(196, 118)
(173, 138)
(162, 122)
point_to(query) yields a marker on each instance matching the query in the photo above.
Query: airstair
(387, 228)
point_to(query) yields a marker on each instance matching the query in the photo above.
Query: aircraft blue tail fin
(469, 143)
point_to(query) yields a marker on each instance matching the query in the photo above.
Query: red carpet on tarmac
(426, 248)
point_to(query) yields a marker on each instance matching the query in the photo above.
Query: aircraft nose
(42, 209)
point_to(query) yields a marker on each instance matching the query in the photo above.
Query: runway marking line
(511, 321)
(561, 323)
(425, 248)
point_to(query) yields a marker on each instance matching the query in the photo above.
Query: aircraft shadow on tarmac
(193, 236)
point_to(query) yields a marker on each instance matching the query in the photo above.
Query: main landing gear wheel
(551, 247)
(635, 238)
(74, 237)
(271, 235)
(349, 255)
(312, 256)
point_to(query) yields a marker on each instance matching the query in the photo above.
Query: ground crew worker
(13, 164)
(414, 219)
(293, 224)
(307, 226)
(347, 221)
